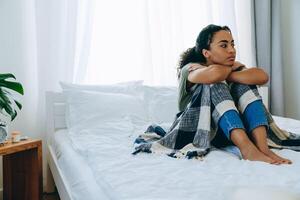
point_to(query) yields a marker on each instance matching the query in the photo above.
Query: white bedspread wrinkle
(77, 174)
(107, 151)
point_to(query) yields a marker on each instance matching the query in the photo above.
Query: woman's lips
(231, 58)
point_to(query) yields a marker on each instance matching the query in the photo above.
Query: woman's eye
(233, 45)
(224, 45)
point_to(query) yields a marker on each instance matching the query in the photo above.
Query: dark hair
(203, 41)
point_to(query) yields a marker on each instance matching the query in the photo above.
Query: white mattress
(79, 178)
(105, 157)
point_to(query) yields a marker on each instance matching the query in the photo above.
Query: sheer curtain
(42, 42)
(142, 39)
(47, 41)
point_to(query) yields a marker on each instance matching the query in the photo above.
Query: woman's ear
(206, 53)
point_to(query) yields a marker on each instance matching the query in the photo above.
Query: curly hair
(203, 41)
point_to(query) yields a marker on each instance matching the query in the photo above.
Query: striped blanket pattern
(191, 133)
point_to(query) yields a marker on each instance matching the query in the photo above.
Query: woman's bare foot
(274, 156)
(250, 152)
(259, 137)
(248, 149)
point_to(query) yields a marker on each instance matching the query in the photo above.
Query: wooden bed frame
(55, 108)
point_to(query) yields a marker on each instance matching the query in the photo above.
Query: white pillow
(88, 109)
(162, 103)
(132, 88)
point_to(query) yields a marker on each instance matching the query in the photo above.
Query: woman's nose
(231, 49)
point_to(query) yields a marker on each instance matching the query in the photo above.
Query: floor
(52, 196)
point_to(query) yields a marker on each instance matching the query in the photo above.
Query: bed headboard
(55, 112)
(55, 109)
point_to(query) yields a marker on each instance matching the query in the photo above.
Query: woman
(211, 61)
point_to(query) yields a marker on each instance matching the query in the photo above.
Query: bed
(89, 152)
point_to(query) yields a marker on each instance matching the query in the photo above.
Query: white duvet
(107, 150)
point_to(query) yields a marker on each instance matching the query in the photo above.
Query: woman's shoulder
(191, 64)
(184, 71)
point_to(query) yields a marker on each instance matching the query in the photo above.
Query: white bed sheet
(77, 174)
(149, 177)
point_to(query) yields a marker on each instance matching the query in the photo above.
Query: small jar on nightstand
(15, 136)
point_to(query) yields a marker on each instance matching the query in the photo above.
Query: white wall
(16, 55)
(291, 56)
(10, 46)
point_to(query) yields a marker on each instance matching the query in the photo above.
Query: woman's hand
(237, 65)
(208, 74)
(194, 67)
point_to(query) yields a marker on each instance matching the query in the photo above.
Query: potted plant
(8, 104)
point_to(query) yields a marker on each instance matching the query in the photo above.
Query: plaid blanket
(192, 131)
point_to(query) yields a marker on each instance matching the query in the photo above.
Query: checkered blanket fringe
(193, 129)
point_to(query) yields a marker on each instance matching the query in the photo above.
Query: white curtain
(142, 39)
(42, 42)
(85, 41)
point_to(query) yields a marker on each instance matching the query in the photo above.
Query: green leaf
(3, 97)
(5, 76)
(12, 85)
(18, 104)
(2, 104)
(8, 104)
(13, 116)
(8, 109)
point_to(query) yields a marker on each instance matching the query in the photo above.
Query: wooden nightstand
(22, 170)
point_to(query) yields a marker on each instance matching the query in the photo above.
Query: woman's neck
(207, 63)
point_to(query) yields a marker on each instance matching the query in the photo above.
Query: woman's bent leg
(226, 117)
(248, 149)
(232, 127)
(259, 138)
(256, 123)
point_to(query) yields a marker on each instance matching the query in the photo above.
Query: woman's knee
(238, 89)
(255, 115)
(220, 92)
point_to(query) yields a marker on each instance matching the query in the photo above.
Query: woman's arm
(250, 76)
(209, 74)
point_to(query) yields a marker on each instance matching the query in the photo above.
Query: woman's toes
(286, 161)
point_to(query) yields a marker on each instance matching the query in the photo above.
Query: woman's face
(222, 49)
